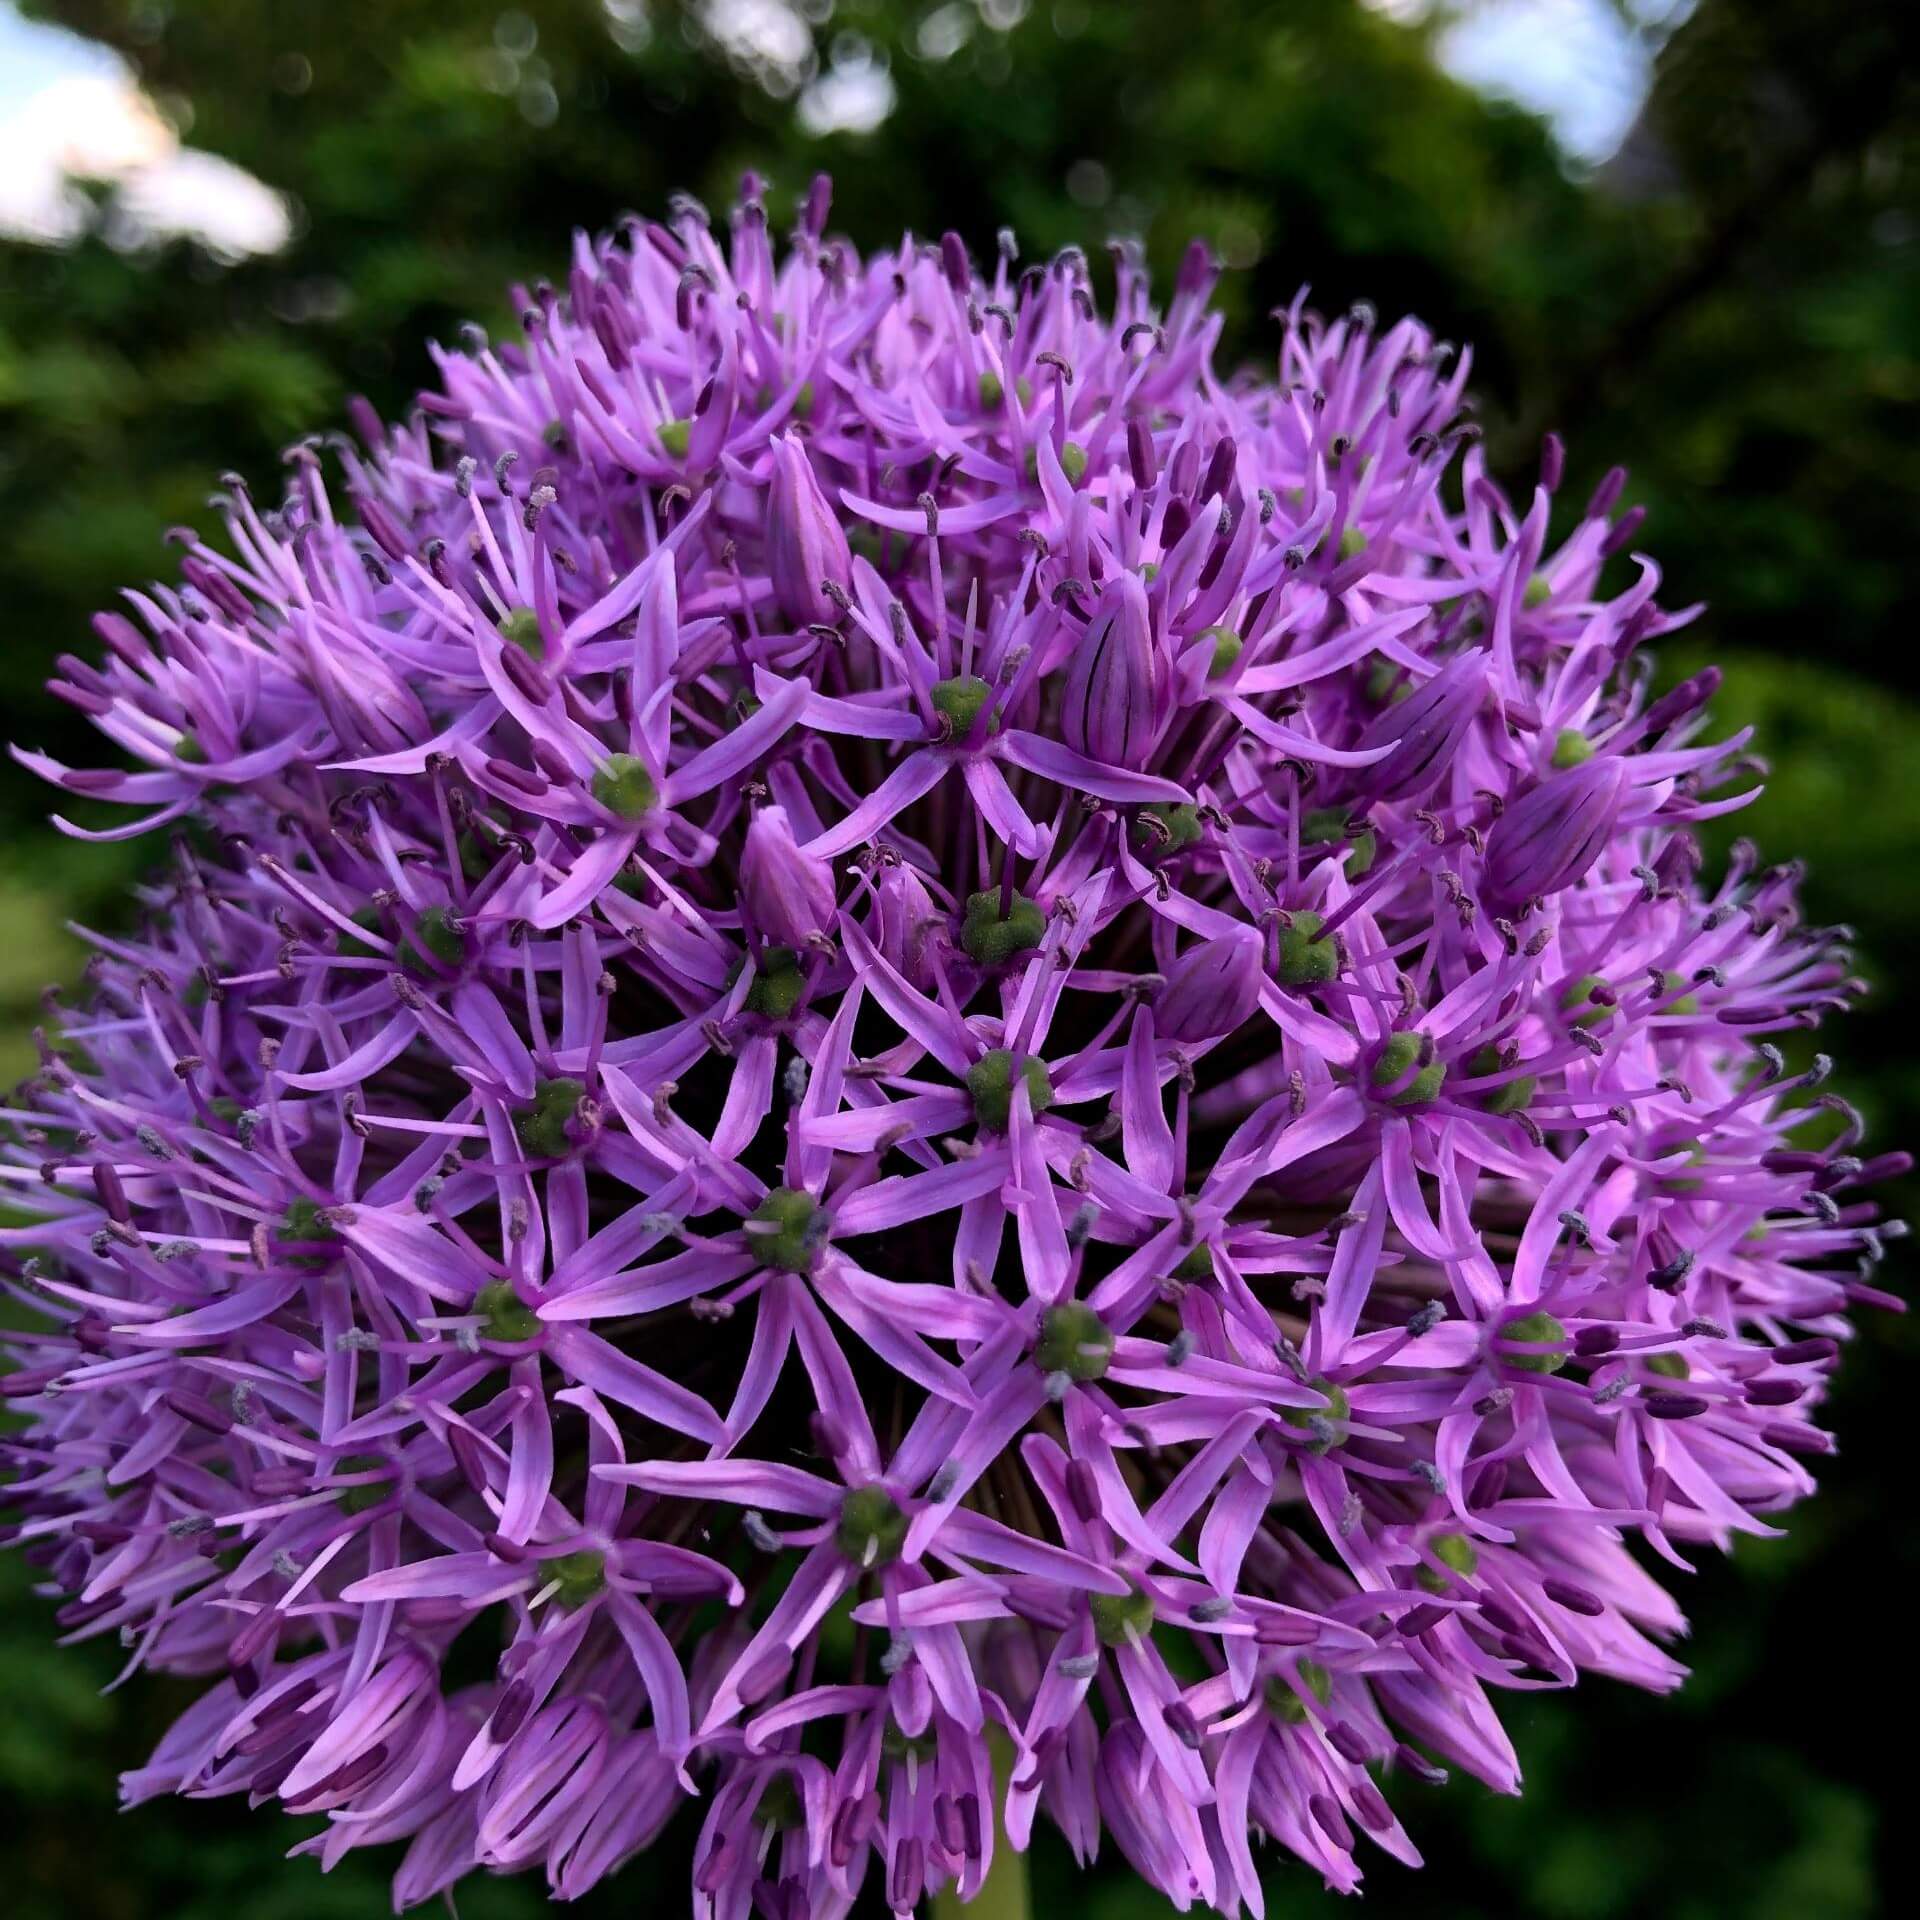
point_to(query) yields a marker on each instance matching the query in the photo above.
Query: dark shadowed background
(1706, 266)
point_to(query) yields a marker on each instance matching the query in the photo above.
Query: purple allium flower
(973, 1076)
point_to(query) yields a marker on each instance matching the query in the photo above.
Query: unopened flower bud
(1554, 832)
(1425, 729)
(1687, 698)
(1679, 861)
(805, 543)
(1606, 495)
(907, 913)
(813, 217)
(1553, 462)
(1196, 269)
(787, 892)
(1211, 990)
(1107, 705)
(386, 532)
(953, 258)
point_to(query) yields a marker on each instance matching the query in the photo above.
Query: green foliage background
(1732, 306)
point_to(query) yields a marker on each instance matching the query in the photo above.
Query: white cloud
(765, 38)
(1583, 65)
(1574, 61)
(223, 206)
(71, 112)
(854, 94)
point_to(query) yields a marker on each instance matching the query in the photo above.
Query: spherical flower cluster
(970, 1075)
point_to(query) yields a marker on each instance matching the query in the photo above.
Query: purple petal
(1061, 764)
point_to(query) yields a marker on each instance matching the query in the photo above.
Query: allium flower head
(973, 1076)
